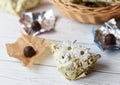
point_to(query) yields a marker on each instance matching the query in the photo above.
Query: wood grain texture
(106, 70)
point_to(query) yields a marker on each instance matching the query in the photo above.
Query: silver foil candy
(46, 19)
(102, 35)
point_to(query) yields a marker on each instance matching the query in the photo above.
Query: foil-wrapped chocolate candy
(108, 36)
(37, 23)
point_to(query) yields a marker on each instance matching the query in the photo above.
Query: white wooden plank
(16, 74)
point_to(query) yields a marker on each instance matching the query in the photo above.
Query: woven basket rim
(90, 10)
(86, 14)
(78, 5)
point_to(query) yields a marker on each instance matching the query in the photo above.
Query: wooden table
(12, 72)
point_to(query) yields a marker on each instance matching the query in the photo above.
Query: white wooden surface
(106, 71)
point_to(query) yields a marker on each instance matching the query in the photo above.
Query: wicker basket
(87, 14)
